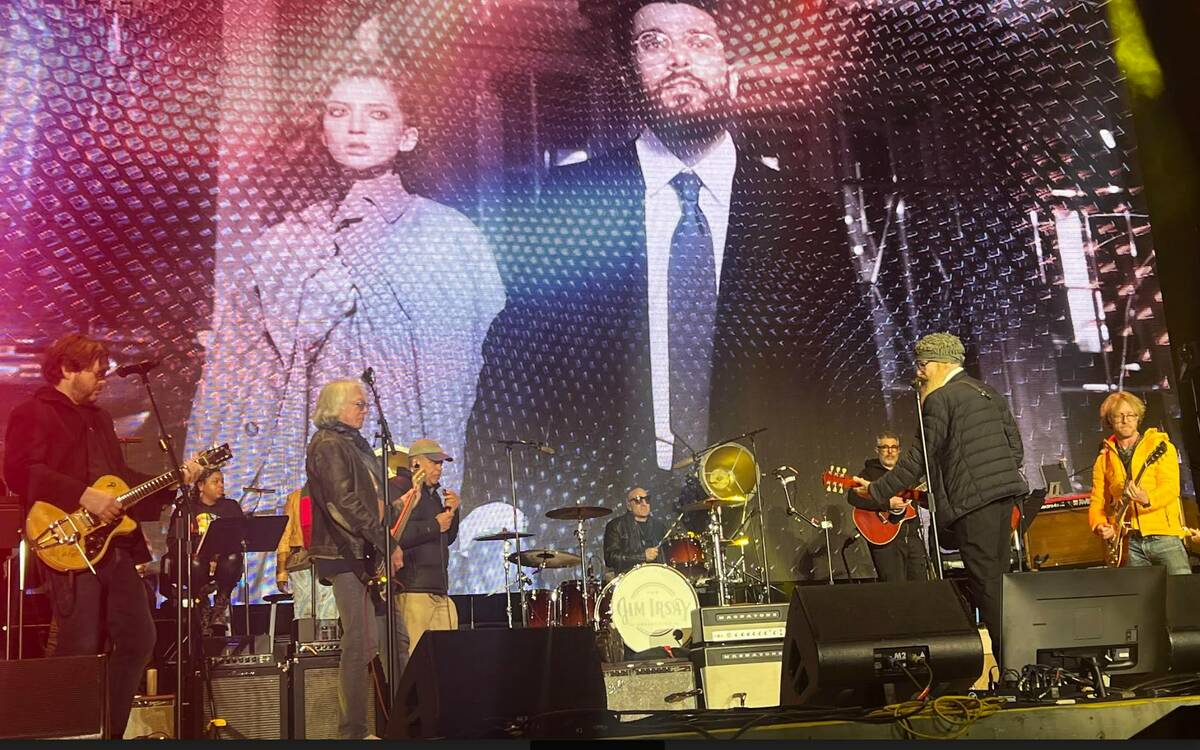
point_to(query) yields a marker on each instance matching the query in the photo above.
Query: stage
(1113, 719)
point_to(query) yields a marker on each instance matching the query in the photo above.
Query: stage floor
(1115, 719)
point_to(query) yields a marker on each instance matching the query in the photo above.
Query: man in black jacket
(633, 538)
(349, 544)
(57, 444)
(975, 456)
(424, 600)
(903, 558)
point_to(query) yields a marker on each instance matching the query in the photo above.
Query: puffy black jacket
(346, 523)
(871, 470)
(426, 559)
(623, 546)
(975, 452)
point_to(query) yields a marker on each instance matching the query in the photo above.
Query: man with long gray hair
(349, 544)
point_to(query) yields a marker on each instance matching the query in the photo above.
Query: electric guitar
(877, 526)
(1116, 550)
(78, 540)
(377, 583)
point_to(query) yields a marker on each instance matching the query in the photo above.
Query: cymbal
(711, 502)
(398, 458)
(577, 512)
(500, 536)
(545, 558)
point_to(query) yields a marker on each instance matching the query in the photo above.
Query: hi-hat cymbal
(711, 502)
(500, 536)
(577, 512)
(545, 558)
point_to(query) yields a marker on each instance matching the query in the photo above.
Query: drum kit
(651, 604)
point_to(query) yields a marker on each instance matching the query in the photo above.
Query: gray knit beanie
(940, 347)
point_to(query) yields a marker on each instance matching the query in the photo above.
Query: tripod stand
(786, 475)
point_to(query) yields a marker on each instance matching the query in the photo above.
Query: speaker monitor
(740, 675)
(546, 682)
(252, 700)
(851, 645)
(1183, 623)
(314, 698)
(60, 697)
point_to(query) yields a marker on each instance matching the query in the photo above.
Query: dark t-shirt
(203, 515)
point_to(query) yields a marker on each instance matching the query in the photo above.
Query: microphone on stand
(368, 376)
(544, 448)
(136, 368)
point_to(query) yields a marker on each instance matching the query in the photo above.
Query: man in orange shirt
(1155, 515)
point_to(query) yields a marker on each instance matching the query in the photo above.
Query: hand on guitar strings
(1106, 531)
(100, 504)
(1139, 495)
(898, 503)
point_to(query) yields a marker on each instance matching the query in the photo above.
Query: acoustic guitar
(78, 540)
(878, 527)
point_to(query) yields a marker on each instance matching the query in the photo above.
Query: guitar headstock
(1157, 453)
(215, 456)
(836, 478)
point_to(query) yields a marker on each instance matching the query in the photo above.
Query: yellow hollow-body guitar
(78, 540)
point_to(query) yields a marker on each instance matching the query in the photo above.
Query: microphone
(137, 368)
(782, 469)
(544, 448)
(368, 376)
(851, 540)
(258, 489)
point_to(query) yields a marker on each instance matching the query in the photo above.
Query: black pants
(903, 558)
(985, 544)
(112, 603)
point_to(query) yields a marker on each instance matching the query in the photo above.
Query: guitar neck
(160, 482)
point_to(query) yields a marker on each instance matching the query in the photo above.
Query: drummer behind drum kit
(651, 605)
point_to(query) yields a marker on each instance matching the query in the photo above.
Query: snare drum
(685, 554)
(570, 608)
(647, 605)
(540, 608)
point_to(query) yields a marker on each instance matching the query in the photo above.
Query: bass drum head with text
(649, 603)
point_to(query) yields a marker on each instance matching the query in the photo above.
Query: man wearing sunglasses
(633, 538)
(903, 558)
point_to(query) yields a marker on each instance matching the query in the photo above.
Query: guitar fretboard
(145, 489)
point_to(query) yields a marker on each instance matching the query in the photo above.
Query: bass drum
(647, 605)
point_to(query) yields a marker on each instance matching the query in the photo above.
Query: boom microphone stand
(387, 448)
(824, 524)
(512, 486)
(183, 548)
(933, 527)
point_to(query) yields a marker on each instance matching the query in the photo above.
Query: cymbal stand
(581, 535)
(714, 529)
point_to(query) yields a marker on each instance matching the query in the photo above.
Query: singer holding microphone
(424, 601)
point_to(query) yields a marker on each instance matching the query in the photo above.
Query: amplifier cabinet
(252, 700)
(152, 718)
(647, 686)
(739, 622)
(62, 697)
(742, 675)
(314, 698)
(1060, 538)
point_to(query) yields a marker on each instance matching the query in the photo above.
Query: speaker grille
(250, 701)
(315, 699)
(34, 694)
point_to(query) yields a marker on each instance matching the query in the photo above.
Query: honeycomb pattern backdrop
(269, 195)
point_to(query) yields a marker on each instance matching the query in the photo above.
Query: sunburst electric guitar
(78, 540)
(877, 526)
(1116, 550)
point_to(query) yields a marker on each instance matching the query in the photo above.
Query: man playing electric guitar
(58, 444)
(1135, 500)
(903, 557)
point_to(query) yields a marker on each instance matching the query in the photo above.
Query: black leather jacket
(346, 523)
(623, 541)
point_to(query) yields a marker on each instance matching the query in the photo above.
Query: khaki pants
(421, 612)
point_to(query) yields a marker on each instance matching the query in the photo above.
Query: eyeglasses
(921, 363)
(653, 45)
(1124, 417)
(887, 447)
(640, 500)
(360, 405)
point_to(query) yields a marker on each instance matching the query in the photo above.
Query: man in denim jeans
(1155, 514)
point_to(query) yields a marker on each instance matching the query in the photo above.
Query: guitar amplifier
(1062, 538)
(151, 718)
(669, 684)
(746, 675)
(314, 698)
(740, 622)
(252, 699)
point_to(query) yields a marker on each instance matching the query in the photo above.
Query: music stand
(245, 534)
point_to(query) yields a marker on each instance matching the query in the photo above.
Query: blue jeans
(364, 634)
(302, 586)
(1159, 549)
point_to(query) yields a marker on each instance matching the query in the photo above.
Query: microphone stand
(183, 550)
(387, 448)
(937, 547)
(825, 524)
(762, 531)
(512, 486)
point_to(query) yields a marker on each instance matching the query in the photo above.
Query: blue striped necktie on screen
(691, 317)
